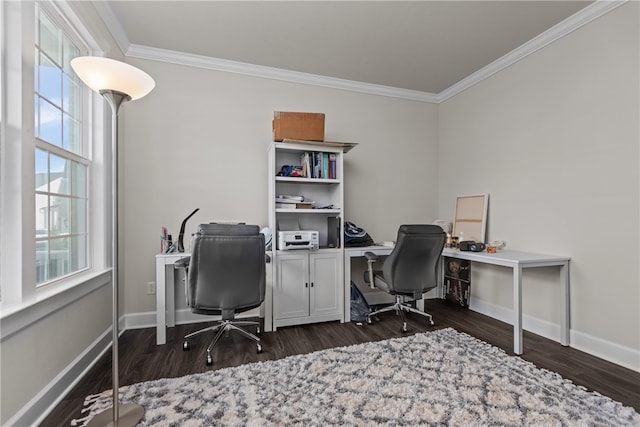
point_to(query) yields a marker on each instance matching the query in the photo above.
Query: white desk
(165, 295)
(519, 261)
(354, 253)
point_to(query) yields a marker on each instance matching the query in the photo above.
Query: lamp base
(130, 416)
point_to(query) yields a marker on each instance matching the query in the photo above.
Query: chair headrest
(228, 230)
(421, 229)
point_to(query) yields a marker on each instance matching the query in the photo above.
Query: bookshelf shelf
(308, 180)
(309, 211)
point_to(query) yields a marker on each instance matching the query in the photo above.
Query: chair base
(400, 308)
(221, 328)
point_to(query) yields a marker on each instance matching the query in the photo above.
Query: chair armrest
(371, 256)
(182, 263)
(368, 278)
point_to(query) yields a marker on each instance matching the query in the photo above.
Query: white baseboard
(607, 350)
(183, 316)
(37, 409)
(615, 353)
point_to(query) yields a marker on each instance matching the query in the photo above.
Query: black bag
(360, 309)
(355, 236)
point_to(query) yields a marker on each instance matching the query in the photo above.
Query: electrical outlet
(151, 288)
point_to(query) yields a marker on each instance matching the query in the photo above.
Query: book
(332, 166)
(316, 165)
(286, 198)
(306, 169)
(325, 165)
(285, 205)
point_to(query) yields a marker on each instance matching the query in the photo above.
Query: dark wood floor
(141, 360)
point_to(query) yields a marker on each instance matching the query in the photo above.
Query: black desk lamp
(181, 236)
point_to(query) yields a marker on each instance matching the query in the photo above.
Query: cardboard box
(304, 126)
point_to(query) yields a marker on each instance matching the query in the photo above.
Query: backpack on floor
(360, 309)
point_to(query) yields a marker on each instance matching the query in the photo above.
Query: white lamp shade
(108, 74)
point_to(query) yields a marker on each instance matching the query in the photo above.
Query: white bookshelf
(307, 284)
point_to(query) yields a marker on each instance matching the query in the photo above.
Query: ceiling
(424, 46)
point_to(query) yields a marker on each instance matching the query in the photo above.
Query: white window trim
(22, 305)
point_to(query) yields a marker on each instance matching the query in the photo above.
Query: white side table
(165, 293)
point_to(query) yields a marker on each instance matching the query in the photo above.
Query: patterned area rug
(436, 378)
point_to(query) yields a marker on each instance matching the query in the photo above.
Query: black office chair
(225, 275)
(410, 270)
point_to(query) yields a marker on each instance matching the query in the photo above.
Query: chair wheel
(258, 329)
(259, 348)
(431, 322)
(185, 345)
(209, 360)
(369, 321)
(404, 326)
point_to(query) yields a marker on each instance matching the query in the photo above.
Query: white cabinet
(308, 284)
(308, 287)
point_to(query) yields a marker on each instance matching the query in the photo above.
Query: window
(54, 162)
(61, 155)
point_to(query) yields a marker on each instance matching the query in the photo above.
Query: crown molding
(218, 64)
(575, 21)
(584, 16)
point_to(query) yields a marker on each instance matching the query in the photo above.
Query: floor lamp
(117, 82)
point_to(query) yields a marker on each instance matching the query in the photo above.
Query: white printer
(298, 239)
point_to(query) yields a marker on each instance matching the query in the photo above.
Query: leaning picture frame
(470, 220)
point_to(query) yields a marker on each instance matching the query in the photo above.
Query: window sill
(17, 316)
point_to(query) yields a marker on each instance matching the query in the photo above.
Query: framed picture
(457, 291)
(457, 268)
(457, 285)
(471, 217)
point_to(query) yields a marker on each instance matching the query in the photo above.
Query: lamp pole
(105, 75)
(125, 415)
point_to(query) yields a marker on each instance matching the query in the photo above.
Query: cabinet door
(325, 292)
(291, 297)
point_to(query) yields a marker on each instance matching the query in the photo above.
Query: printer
(298, 239)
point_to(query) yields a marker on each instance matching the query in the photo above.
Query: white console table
(518, 261)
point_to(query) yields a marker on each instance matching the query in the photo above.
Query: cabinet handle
(312, 284)
(306, 285)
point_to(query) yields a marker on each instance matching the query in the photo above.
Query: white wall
(40, 355)
(554, 140)
(200, 140)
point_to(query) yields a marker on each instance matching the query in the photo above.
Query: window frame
(22, 302)
(81, 155)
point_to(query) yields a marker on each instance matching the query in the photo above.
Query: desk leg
(170, 295)
(565, 320)
(347, 288)
(161, 309)
(517, 310)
